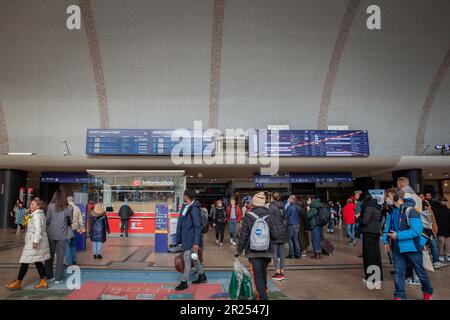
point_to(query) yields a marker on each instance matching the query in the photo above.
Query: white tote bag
(427, 264)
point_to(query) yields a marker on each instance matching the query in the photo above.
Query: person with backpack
(293, 225)
(189, 235)
(370, 225)
(234, 216)
(219, 221)
(348, 215)
(403, 237)
(125, 213)
(255, 239)
(314, 207)
(330, 228)
(280, 233)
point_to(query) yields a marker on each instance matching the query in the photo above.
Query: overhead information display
(308, 143)
(146, 142)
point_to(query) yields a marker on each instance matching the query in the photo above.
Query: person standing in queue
(59, 229)
(189, 235)
(219, 221)
(77, 227)
(259, 260)
(280, 233)
(99, 226)
(234, 216)
(125, 213)
(293, 226)
(36, 249)
(314, 207)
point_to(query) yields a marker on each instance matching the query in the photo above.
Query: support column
(414, 176)
(10, 183)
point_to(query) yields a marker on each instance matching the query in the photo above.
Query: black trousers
(24, 268)
(220, 231)
(371, 253)
(124, 226)
(258, 269)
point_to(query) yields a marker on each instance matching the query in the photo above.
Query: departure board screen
(308, 143)
(146, 142)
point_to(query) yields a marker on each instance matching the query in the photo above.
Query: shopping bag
(241, 285)
(427, 264)
(179, 263)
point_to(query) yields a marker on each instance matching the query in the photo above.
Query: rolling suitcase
(327, 247)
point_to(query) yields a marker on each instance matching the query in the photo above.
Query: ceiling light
(20, 153)
(446, 175)
(430, 174)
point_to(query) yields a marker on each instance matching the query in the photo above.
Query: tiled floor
(333, 277)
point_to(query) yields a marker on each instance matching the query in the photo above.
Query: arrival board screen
(147, 142)
(308, 143)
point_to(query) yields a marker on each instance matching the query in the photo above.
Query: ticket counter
(144, 191)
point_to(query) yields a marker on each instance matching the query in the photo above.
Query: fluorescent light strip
(20, 153)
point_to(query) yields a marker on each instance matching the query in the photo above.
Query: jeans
(416, 260)
(315, 237)
(434, 250)
(187, 266)
(97, 247)
(233, 229)
(331, 224)
(279, 256)
(124, 227)
(58, 247)
(71, 251)
(258, 270)
(350, 229)
(294, 245)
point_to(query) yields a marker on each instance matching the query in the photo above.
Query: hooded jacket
(99, 227)
(189, 227)
(313, 212)
(370, 218)
(244, 236)
(125, 212)
(279, 222)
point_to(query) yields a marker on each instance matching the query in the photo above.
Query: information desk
(140, 222)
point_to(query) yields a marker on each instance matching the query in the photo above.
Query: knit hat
(259, 199)
(99, 209)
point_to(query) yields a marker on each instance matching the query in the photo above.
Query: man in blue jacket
(293, 224)
(189, 235)
(403, 237)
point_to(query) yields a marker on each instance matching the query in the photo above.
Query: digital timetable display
(308, 143)
(146, 142)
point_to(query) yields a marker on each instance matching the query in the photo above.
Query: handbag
(179, 263)
(427, 264)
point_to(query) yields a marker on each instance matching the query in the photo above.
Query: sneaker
(95, 256)
(448, 258)
(201, 279)
(182, 286)
(278, 277)
(281, 277)
(231, 241)
(274, 277)
(221, 245)
(234, 244)
(438, 265)
(441, 259)
(426, 296)
(304, 254)
(52, 279)
(58, 282)
(217, 242)
(99, 256)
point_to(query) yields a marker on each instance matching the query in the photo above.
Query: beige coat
(77, 220)
(36, 233)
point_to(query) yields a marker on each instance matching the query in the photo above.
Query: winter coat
(370, 218)
(303, 236)
(313, 212)
(58, 227)
(189, 227)
(125, 212)
(99, 226)
(409, 235)
(244, 235)
(348, 214)
(238, 213)
(77, 221)
(219, 215)
(442, 215)
(280, 232)
(36, 233)
(292, 214)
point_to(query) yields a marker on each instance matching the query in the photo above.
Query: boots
(42, 284)
(15, 285)
(201, 279)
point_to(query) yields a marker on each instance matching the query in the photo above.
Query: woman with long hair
(59, 229)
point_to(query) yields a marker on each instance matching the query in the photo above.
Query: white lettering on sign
(73, 22)
(374, 21)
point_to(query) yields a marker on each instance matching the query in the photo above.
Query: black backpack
(323, 217)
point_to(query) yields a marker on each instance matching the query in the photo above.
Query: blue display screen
(66, 177)
(308, 143)
(304, 178)
(148, 142)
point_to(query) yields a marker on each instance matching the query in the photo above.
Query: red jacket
(238, 213)
(348, 213)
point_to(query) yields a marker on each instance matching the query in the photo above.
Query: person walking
(370, 226)
(259, 260)
(338, 209)
(77, 227)
(356, 200)
(99, 227)
(402, 237)
(36, 249)
(332, 210)
(234, 216)
(20, 215)
(59, 220)
(348, 215)
(280, 234)
(293, 226)
(430, 231)
(125, 213)
(219, 221)
(189, 235)
(313, 211)
(442, 214)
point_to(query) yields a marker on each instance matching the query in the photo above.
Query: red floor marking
(134, 291)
